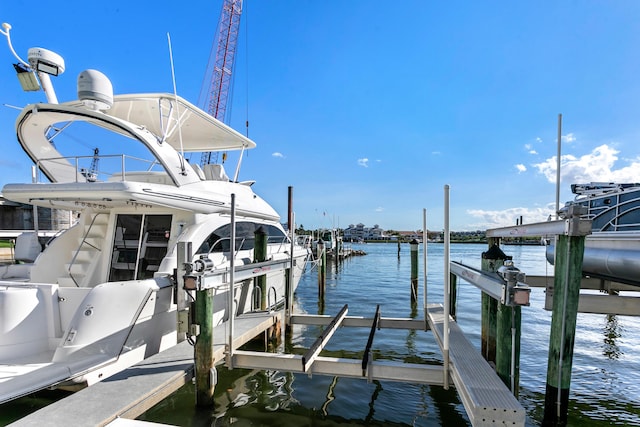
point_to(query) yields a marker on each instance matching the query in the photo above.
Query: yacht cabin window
(220, 239)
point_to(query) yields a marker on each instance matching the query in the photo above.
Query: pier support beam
(321, 256)
(414, 271)
(508, 332)
(568, 274)
(204, 359)
(260, 255)
(492, 260)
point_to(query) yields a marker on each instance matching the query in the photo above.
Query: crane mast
(220, 68)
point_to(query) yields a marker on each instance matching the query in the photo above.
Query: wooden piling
(508, 332)
(288, 281)
(491, 260)
(414, 271)
(260, 255)
(322, 269)
(569, 252)
(204, 363)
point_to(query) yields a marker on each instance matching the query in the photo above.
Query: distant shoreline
(479, 242)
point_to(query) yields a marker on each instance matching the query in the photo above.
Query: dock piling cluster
(570, 238)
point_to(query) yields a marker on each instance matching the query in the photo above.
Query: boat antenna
(175, 95)
(42, 63)
(559, 162)
(7, 27)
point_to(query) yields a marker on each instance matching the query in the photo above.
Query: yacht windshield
(97, 153)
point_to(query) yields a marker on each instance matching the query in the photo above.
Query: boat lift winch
(506, 285)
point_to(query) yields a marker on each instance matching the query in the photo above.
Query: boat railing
(283, 243)
(272, 303)
(618, 216)
(256, 298)
(101, 168)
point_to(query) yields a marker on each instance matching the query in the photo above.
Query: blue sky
(368, 108)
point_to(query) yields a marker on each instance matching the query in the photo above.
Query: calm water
(605, 388)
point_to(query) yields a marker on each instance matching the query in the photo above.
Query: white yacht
(103, 294)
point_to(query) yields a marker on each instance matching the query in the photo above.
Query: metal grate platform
(486, 398)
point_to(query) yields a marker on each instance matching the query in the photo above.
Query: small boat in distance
(330, 240)
(612, 251)
(103, 294)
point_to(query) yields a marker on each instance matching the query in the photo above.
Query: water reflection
(612, 331)
(374, 397)
(330, 395)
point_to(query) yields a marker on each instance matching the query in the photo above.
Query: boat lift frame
(467, 370)
(311, 363)
(506, 286)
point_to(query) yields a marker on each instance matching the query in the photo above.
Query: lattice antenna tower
(218, 78)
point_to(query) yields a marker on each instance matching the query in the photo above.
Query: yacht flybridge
(103, 294)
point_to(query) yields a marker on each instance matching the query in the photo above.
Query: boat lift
(486, 398)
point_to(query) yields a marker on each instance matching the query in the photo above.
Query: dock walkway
(133, 391)
(485, 397)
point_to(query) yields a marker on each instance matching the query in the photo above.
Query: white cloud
(533, 152)
(436, 153)
(364, 162)
(527, 147)
(508, 217)
(568, 138)
(379, 209)
(595, 166)
(277, 154)
(521, 168)
(538, 139)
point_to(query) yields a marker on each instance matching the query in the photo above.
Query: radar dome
(95, 90)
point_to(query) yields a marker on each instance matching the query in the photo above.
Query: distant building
(357, 232)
